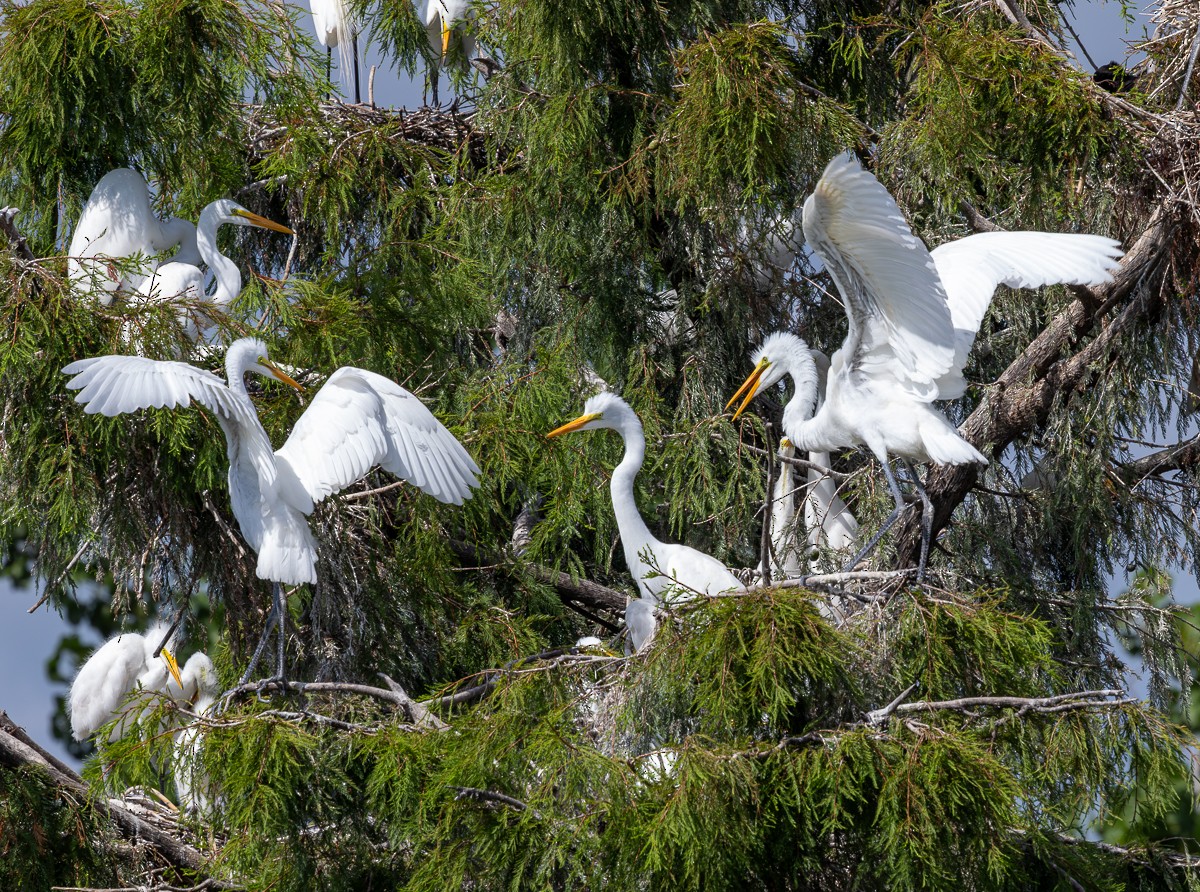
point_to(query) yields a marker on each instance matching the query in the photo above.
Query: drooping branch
(1179, 457)
(8, 226)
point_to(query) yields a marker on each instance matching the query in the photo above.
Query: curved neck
(235, 372)
(803, 404)
(635, 535)
(224, 270)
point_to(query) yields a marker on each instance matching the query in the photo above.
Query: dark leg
(328, 69)
(357, 96)
(887, 524)
(926, 520)
(281, 627)
(275, 617)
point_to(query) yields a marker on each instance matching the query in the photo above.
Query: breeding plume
(677, 566)
(183, 283)
(913, 317)
(335, 28)
(357, 420)
(125, 663)
(117, 224)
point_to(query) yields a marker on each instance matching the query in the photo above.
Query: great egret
(335, 27)
(199, 689)
(656, 567)
(913, 318)
(125, 663)
(784, 538)
(445, 19)
(357, 420)
(118, 223)
(184, 282)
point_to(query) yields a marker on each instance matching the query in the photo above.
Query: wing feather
(900, 326)
(116, 385)
(971, 268)
(359, 420)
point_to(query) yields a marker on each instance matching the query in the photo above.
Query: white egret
(913, 317)
(184, 282)
(356, 421)
(127, 662)
(657, 567)
(784, 538)
(335, 27)
(118, 223)
(446, 19)
(199, 689)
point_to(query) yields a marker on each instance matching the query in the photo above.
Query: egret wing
(360, 419)
(115, 385)
(900, 326)
(971, 268)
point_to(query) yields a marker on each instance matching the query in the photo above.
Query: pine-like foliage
(602, 210)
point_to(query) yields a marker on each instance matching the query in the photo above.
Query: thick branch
(1180, 457)
(1023, 395)
(15, 752)
(582, 591)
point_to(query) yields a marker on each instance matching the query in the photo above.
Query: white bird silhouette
(356, 421)
(198, 689)
(445, 19)
(125, 663)
(336, 29)
(118, 223)
(183, 283)
(659, 569)
(913, 317)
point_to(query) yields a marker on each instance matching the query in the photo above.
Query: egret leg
(887, 524)
(281, 630)
(926, 520)
(328, 69)
(357, 96)
(273, 618)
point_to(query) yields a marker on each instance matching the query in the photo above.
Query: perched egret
(118, 223)
(445, 20)
(357, 420)
(184, 282)
(335, 27)
(784, 539)
(199, 689)
(913, 318)
(125, 663)
(677, 566)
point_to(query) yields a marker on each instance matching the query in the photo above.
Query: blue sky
(28, 640)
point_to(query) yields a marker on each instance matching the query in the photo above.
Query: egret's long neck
(224, 270)
(235, 371)
(635, 535)
(803, 404)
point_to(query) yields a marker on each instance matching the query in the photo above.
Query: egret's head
(602, 410)
(199, 677)
(250, 355)
(172, 665)
(779, 354)
(229, 211)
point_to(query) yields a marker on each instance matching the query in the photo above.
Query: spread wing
(360, 419)
(971, 268)
(115, 385)
(900, 327)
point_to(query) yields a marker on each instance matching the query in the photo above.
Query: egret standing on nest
(913, 317)
(118, 223)
(356, 421)
(335, 27)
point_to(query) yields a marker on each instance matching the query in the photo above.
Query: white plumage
(912, 317)
(183, 283)
(680, 569)
(123, 664)
(199, 690)
(445, 19)
(641, 623)
(118, 223)
(335, 29)
(356, 421)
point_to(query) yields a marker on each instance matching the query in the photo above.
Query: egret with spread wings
(356, 421)
(913, 317)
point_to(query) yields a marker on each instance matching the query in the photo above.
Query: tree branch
(9, 227)
(1021, 398)
(583, 591)
(15, 752)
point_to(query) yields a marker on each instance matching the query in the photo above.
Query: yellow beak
(281, 374)
(262, 222)
(749, 387)
(446, 31)
(172, 666)
(573, 425)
